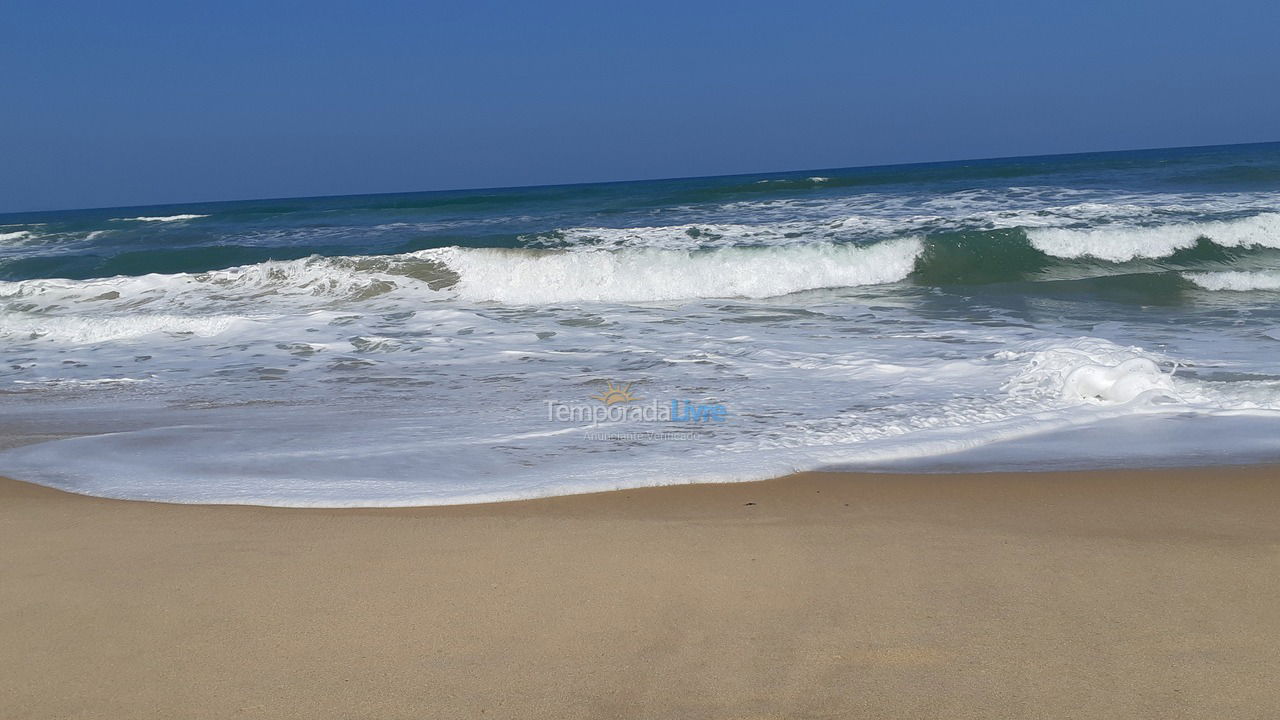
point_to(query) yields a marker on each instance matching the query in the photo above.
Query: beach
(552, 361)
(1093, 594)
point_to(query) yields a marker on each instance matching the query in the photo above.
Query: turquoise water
(405, 349)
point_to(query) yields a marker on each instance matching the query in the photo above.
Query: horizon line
(500, 188)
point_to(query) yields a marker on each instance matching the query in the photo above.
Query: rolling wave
(266, 287)
(1122, 244)
(1221, 255)
(541, 277)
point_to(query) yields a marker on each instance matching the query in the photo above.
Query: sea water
(1110, 309)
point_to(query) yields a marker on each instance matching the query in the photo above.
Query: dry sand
(1150, 594)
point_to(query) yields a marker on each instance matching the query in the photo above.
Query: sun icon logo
(615, 394)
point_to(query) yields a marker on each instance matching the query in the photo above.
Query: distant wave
(160, 218)
(677, 237)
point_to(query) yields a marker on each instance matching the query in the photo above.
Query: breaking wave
(275, 284)
(1237, 281)
(538, 277)
(740, 261)
(1122, 244)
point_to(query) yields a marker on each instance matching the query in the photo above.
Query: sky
(131, 103)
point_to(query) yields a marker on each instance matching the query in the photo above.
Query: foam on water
(540, 277)
(271, 287)
(1120, 383)
(411, 349)
(1121, 244)
(861, 219)
(1237, 281)
(84, 331)
(269, 455)
(162, 218)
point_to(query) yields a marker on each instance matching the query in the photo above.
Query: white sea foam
(324, 381)
(986, 208)
(1122, 244)
(272, 286)
(90, 330)
(498, 437)
(1120, 230)
(161, 218)
(424, 378)
(1235, 280)
(1120, 383)
(83, 383)
(670, 237)
(542, 277)
(10, 236)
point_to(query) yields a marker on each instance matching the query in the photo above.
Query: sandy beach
(1098, 594)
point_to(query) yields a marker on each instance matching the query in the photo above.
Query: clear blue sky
(114, 103)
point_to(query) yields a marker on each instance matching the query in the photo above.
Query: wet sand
(1135, 594)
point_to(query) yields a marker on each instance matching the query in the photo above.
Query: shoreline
(1082, 593)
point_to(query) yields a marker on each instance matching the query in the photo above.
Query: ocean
(1096, 310)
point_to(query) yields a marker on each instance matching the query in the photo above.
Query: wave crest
(548, 276)
(301, 283)
(1123, 244)
(161, 218)
(1237, 281)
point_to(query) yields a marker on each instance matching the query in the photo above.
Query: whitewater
(1115, 309)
